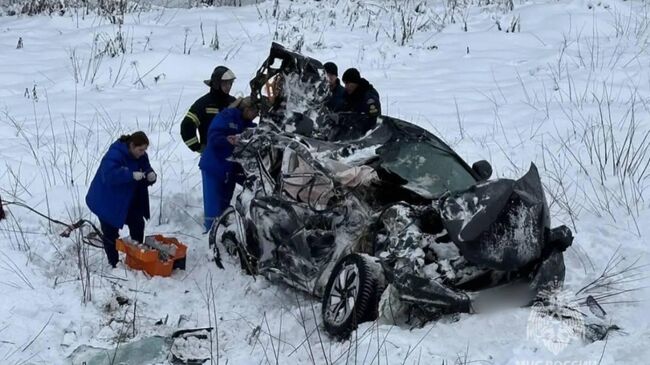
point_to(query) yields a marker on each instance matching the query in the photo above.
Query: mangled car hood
(499, 224)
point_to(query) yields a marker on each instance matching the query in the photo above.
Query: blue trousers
(217, 194)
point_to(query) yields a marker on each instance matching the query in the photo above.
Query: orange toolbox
(157, 256)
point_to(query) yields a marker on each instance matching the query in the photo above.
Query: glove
(138, 175)
(151, 176)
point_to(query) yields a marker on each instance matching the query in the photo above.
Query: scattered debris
(69, 337)
(183, 347)
(122, 300)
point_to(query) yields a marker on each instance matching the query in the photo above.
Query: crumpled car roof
(381, 148)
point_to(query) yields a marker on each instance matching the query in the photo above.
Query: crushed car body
(351, 210)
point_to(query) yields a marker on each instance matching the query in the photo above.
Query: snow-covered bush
(113, 10)
(404, 22)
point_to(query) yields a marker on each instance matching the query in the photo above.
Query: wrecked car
(359, 213)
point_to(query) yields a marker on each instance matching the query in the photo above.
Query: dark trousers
(111, 234)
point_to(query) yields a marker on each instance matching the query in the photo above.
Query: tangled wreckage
(377, 215)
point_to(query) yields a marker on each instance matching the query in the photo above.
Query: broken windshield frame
(429, 170)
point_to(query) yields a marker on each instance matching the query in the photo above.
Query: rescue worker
(361, 96)
(118, 193)
(337, 91)
(206, 107)
(220, 174)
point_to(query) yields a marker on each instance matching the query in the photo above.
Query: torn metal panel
(499, 224)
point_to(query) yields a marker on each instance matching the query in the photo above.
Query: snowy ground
(568, 90)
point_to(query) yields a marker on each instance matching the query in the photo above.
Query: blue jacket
(336, 100)
(214, 158)
(113, 192)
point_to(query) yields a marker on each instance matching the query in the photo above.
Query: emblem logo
(555, 322)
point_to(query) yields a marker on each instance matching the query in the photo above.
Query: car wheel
(351, 294)
(230, 231)
(223, 231)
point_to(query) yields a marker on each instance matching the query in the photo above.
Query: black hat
(351, 75)
(330, 68)
(220, 73)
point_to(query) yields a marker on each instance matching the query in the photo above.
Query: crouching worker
(118, 194)
(219, 173)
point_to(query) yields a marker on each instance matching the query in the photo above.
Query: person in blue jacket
(118, 193)
(218, 172)
(337, 91)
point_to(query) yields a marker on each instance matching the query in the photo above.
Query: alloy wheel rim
(343, 295)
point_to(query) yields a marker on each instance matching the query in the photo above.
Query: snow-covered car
(390, 214)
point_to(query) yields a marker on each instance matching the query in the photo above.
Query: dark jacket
(337, 97)
(113, 192)
(365, 99)
(214, 158)
(199, 117)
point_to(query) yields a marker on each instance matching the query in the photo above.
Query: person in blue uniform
(219, 173)
(118, 193)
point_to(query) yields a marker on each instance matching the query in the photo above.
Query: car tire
(218, 234)
(351, 294)
(230, 241)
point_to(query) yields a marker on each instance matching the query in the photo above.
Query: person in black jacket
(361, 96)
(337, 91)
(205, 108)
